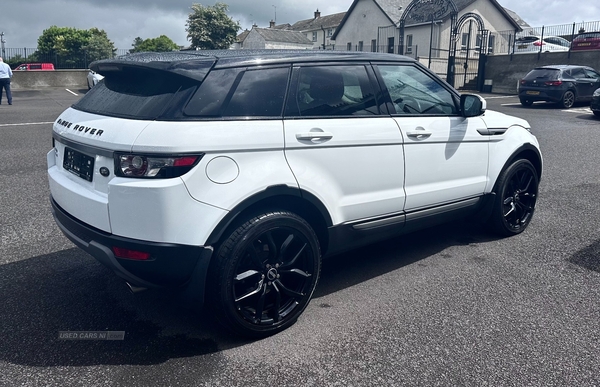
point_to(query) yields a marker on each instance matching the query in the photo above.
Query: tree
(160, 44)
(99, 46)
(72, 47)
(210, 28)
(15, 61)
(136, 43)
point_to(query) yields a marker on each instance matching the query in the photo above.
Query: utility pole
(2, 41)
(275, 13)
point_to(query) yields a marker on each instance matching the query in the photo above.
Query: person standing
(5, 75)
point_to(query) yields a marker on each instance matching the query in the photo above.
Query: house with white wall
(273, 38)
(319, 29)
(374, 25)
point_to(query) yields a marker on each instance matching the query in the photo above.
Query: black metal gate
(432, 12)
(468, 49)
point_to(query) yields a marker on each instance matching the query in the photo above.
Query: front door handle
(314, 136)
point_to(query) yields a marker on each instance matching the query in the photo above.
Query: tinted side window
(577, 73)
(260, 93)
(239, 93)
(591, 74)
(35, 67)
(213, 93)
(332, 91)
(414, 92)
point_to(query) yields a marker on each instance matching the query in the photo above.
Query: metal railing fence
(511, 42)
(17, 56)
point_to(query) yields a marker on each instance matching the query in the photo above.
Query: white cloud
(24, 21)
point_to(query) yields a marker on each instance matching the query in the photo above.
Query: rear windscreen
(543, 74)
(134, 92)
(592, 35)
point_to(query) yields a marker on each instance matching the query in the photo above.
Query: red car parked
(586, 41)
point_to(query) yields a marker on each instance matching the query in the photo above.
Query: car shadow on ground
(70, 291)
(589, 257)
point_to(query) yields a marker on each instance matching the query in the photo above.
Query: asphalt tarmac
(448, 306)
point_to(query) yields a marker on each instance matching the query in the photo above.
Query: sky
(24, 21)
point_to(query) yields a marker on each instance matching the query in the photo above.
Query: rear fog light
(130, 254)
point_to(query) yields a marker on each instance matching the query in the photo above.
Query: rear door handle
(314, 136)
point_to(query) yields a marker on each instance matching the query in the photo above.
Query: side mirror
(472, 105)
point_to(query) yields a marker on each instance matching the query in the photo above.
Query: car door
(446, 157)
(583, 84)
(340, 146)
(594, 79)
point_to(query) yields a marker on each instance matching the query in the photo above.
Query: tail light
(154, 167)
(538, 43)
(553, 83)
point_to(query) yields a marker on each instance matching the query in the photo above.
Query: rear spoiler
(188, 64)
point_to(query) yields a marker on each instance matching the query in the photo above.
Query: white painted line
(580, 110)
(510, 104)
(71, 92)
(29, 123)
(502, 96)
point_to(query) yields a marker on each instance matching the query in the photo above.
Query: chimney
(317, 13)
(254, 25)
(271, 24)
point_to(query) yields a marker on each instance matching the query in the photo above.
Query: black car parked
(562, 84)
(595, 104)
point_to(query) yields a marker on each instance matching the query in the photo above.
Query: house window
(491, 44)
(360, 45)
(478, 42)
(409, 44)
(374, 45)
(464, 42)
(314, 36)
(330, 32)
(349, 46)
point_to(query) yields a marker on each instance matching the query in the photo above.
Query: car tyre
(264, 274)
(526, 102)
(515, 198)
(568, 99)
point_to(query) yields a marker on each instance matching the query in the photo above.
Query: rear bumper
(549, 96)
(169, 265)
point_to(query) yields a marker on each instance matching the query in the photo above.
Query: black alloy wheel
(568, 99)
(516, 196)
(264, 274)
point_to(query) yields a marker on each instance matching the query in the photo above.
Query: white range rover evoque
(230, 174)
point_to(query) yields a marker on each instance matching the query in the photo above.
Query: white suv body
(265, 161)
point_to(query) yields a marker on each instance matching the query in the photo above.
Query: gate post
(481, 72)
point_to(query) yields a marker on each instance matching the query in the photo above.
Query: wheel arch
(527, 152)
(279, 197)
